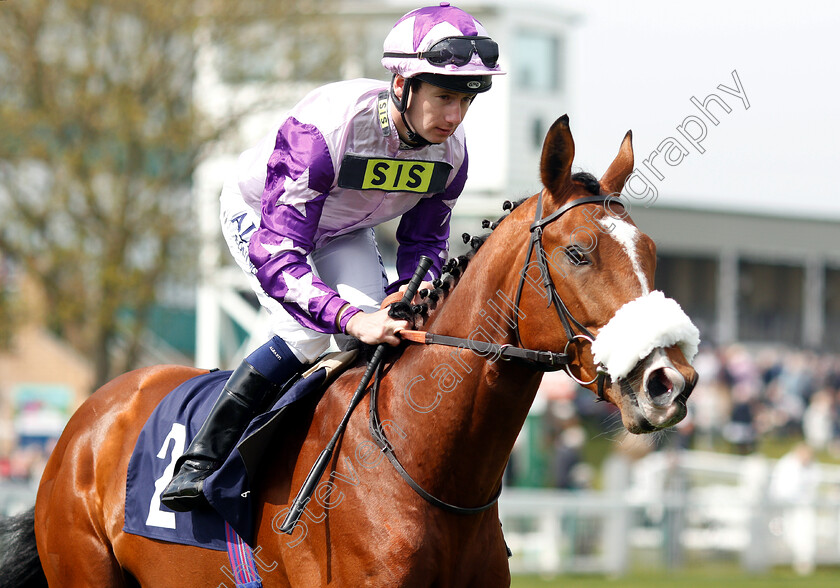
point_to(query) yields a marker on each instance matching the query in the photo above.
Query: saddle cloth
(167, 434)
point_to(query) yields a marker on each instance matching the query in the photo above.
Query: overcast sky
(636, 65)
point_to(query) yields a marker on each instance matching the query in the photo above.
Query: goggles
(457, 51)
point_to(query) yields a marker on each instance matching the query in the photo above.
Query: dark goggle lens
(459, 51)
(488, 51)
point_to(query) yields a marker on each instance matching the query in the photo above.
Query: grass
(699, 578)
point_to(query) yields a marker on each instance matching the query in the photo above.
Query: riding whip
(305, 492)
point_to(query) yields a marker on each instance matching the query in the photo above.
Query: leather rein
(538, 359)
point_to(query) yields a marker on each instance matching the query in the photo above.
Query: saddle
(169, 431)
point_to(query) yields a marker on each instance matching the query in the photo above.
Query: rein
(539, 359)
(548, 361)
(378, 435)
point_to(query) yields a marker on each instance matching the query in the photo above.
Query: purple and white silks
(289, 180)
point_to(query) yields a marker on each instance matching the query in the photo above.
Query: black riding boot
(245, 394)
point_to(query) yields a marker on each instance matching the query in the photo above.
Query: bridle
(538, 359)
(536, 249)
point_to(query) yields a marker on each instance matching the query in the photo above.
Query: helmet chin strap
(414, 139)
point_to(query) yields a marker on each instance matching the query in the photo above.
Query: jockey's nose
(454, 114)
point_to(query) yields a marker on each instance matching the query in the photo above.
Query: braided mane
(453, 269)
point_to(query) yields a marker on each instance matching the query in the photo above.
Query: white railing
(658, 512)
(667, 509)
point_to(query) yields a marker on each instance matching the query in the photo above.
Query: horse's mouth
(654, 395)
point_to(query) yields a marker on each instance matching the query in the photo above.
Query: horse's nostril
(659, 386)
(690, 385)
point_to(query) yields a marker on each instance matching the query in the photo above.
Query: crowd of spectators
(748, 394)
(745, 395)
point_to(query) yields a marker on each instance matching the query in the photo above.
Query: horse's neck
(482, 307)
(464, 410)
(486, 292)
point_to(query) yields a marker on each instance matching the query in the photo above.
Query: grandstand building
(748, 277)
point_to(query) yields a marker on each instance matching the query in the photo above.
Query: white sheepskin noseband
(640, 326)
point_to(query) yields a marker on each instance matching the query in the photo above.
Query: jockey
(299, 209)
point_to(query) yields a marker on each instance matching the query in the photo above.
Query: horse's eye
(576, 255)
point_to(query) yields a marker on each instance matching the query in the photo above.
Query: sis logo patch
(393, 175)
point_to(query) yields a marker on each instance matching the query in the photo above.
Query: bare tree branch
(101, 137)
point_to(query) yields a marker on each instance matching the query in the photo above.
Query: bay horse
(565, 274)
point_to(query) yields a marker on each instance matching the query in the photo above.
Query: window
(770, 303)
(691, 281)
(536, 61)
(832, 309)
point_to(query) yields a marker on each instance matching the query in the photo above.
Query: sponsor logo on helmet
(382, 113)
(473, 85)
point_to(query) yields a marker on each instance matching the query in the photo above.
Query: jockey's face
(433, 113)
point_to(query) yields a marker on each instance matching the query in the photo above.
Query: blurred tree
(101, 135)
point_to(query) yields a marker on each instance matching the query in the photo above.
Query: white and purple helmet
(445, 46)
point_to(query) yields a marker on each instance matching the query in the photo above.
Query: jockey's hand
(417, 299)
(376, 327)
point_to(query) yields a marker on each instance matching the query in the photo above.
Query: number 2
(158, 517)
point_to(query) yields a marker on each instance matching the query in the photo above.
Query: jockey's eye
(576, 255)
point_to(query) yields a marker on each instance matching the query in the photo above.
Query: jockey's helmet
(444, 46)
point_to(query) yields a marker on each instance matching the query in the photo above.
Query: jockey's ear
(399, 86)
(556, 160)
(620, 169)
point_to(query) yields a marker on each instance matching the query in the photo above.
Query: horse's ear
(557, 155)
(620, 168)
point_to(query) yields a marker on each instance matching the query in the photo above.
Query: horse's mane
(589, 182)
(454, 268)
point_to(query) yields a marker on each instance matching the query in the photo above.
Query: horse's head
(601, 267)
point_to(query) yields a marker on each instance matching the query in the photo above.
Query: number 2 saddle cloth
(168, 433)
